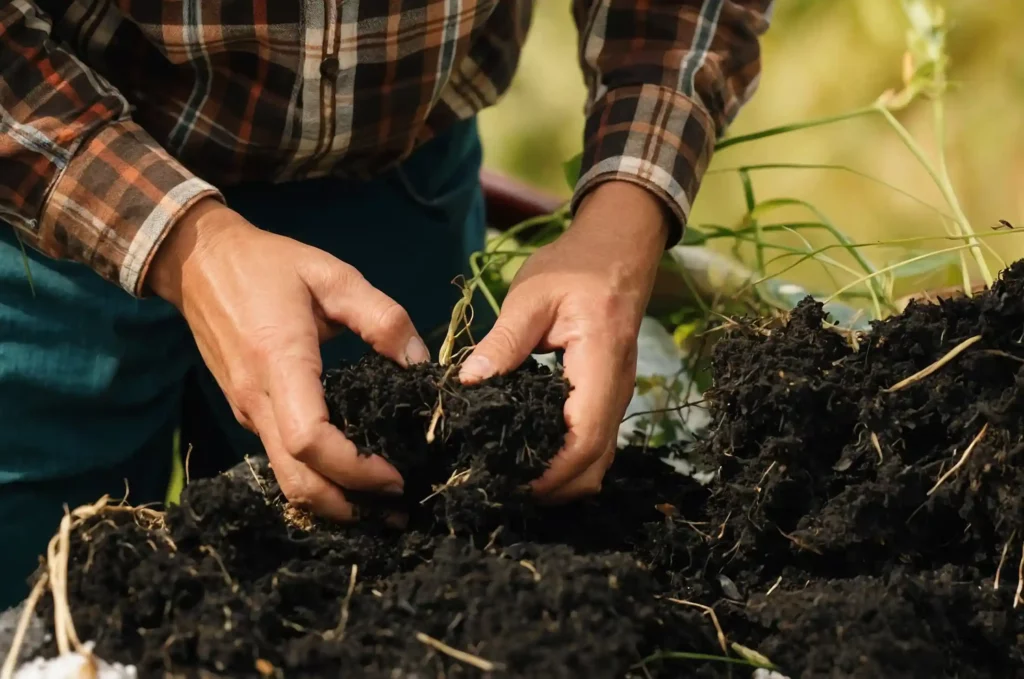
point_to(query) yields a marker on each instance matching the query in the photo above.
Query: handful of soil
(501, 433)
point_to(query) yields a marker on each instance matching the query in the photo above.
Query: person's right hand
(259, 306)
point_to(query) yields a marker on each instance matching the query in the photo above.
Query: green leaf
(571, 168)
(683, 332)
(931, 265)
(938, 271)
(693, 235)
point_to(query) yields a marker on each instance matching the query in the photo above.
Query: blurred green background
(820, 57)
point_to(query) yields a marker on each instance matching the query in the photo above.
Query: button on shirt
(115, 117)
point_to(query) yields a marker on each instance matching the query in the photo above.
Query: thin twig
(461, 656)
(188, 459)
(878, 447)
(1020, 580)
(658, 411)
(1003, 354)
(256, 476)
(920, 375)
(338, 633)
(963, 459)
(19, 634)
(207, 549)
(1002, 559)
(768, 471)
(457, 478)
(714, 620)
(438, 409)
(773, 587)
(530, 567)
(434, 419)
(57, 553)
(798, 542)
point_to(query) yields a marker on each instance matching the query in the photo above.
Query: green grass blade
(26, 262)
(793, 127)
(751, 201)
(844, 240)
(835, 167)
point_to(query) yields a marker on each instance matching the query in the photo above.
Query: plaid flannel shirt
(117, 115)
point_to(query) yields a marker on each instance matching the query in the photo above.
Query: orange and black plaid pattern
(117, 115)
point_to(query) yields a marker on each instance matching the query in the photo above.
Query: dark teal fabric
(91, 378)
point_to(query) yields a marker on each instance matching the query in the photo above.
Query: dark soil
(817, 542)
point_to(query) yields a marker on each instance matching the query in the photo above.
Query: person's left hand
(585, 293)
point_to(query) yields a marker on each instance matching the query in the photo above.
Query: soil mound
(857, 525)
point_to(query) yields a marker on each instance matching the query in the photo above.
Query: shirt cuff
(651, 136)
(114, 203)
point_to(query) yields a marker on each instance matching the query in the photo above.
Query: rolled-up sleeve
(78, 179)
(665, 79)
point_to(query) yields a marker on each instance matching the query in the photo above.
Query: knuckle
(591, 447)
(392, 320)
(340, 276)
(503, 339)
(247, 397)
(614, 307)
(299, 442)
(263, 342)
(298, 493)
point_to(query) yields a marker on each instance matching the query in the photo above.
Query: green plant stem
(877, 292)
(945, 186)
(751, 201)
(26, 262)
(474, 265)
(939, 121)
(833, 167)
(782, 129)
(896, 266)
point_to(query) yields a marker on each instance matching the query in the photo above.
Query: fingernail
(476, 367)
(394, 489)
(416, 351)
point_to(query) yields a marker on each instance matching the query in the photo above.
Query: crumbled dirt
(499, 435)
(824, 540)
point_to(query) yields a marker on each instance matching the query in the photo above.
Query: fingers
(300, 417)
(348, 299)
(523, 321)
(303, 487)
(588, 410)
(602, 375)
(587, 483)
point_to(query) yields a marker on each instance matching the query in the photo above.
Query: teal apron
(91, 379)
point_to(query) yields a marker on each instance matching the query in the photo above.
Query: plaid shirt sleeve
(78, 179)
(665, 79)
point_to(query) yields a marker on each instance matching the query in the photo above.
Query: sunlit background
(819, 58)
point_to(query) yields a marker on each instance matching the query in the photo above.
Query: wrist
(628, 216)
(189, 237)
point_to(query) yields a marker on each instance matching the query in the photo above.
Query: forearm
(79, 179)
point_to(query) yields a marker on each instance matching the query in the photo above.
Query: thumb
(524, 320)
(347, 298)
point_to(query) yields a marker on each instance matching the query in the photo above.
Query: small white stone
(73, 666)
(762, 673)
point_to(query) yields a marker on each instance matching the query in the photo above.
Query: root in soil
(848, 529)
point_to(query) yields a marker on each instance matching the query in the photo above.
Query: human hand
(259, 306)
(585, 293)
